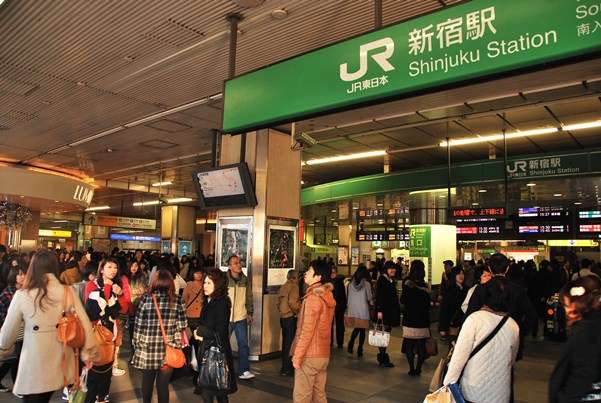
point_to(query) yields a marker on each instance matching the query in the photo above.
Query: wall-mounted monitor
(227, 186)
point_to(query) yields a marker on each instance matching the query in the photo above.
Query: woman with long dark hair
(104, 298)
(451, 315)
(415, 297)
(138, 285)
(577, 377)
(38, 306)
(148, 339)
(214, 327)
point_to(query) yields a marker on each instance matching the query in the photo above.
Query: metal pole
(448, 178)
(214, 147)
(505, 169)
(377, 14)
(234, 20)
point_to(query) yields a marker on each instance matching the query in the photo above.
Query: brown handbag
(106, 345)
(431, 346)
(174, 357)
(69, 328)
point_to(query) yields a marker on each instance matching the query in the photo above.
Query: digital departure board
(543, 229)
(383, 224)
(588, 224)
(588, 214)
(543, 212)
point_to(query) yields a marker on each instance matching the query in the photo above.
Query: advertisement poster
(234, 241)
(166, 246)
(184, 248)
(282, 245)
(354, 256)
(342, 255)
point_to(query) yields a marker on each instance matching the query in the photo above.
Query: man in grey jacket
(240, 293)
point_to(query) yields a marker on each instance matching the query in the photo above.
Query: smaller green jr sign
(420, 241)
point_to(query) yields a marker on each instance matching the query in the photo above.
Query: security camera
(302, 140)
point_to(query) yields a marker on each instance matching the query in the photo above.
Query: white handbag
(378, 337)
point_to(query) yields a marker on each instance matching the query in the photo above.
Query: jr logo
(518, 166)
(381, 58)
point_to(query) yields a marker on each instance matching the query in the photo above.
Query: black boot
(411, 361)
(418, 368)
(384, 360)
(360, 351)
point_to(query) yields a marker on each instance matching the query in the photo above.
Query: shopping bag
(78, 393)
(378, 337)
(214, 372)
(442, 395)
(193, 359)
(440, 372)
(431, 347)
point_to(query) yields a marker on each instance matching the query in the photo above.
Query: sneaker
(4, 389)
(18, 395)
(65, 394)
(247, 375)
(118, 371)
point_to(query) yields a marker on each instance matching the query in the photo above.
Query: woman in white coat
(486, 377)
(39, 306)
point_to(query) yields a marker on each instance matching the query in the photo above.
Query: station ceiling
(83, 87)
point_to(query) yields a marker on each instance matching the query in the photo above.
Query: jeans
(38, 398)
(99, 383)
(288, 332)
(240, 328)
(351, 343)
(162, 377)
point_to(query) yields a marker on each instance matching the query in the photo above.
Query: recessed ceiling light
(557, 194)
(443, 196)
(56, 201)
(109, 150)
(530, 184)
(482, 191)
(475, 204)
(22, 197)
(302, 182)
(279, 14)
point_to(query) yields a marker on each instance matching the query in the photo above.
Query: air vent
(169, 126)
(158, 144)
(174, 33)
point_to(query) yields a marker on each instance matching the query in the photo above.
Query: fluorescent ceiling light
(580, 126)
(578, 203)
(148, 203)
(482, 191)
(499, 136)
(557, 194)
(530, 184)
(474, 204)
(416, 192)
(338, 158)
(179, 200)
(98, 208)
(165, 183)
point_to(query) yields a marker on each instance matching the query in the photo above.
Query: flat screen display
(223, 187)
(543, 212)
(542, 229)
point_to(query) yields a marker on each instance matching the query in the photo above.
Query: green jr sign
(420, 241)
(472, 40)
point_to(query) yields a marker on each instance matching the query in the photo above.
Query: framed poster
(342, 255)
(354, 256)
(184, 248)
(234, 238)
(282, 240)
(166, 246)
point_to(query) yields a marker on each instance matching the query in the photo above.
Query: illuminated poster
(282, 243)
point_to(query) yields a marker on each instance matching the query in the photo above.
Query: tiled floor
(351, 379)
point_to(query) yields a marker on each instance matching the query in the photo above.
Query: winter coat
(124, 299)
(148, 341)
(450, 308)
(102, 308)
(40, 368)
(314, 329)
(339, 293)
(387, 301)
(579, 365)
(416, 302)
(359, 299)
(241, 295)
(289, 300)
(214, 323)
(193, 298)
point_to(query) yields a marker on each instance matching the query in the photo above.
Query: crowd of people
(173, 313)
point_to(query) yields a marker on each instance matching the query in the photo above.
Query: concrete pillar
(178, 224)
(276, 175)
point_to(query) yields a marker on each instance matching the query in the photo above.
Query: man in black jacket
(517, 302)
(340, 297)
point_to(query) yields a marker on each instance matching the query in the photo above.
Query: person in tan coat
(311, 348)
(39, 306)
(289, 305)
